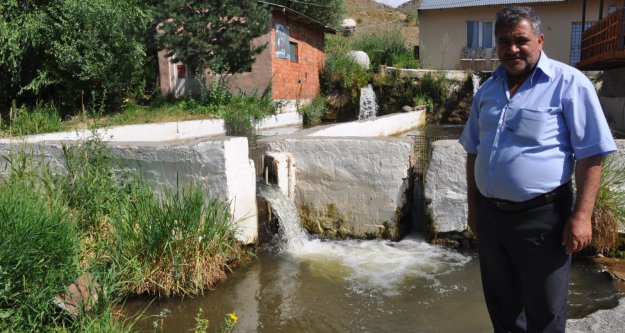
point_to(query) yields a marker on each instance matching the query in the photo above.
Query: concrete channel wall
(356, 186)
(220, 165)
(446, 185)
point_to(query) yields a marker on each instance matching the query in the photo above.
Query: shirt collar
(544, 66)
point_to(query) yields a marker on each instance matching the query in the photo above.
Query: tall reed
(609, 212)
(38, 255)
(178, 244)
(41, 118)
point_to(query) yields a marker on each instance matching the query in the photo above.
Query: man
(534, 124)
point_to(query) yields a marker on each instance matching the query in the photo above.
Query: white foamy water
(475, 79)
(379, 264)
(368, 103)
(367, 264)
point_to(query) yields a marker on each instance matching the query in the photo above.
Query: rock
(348, 26)
(614, 267)
(602, 321)
(360, 57)
(81, 296)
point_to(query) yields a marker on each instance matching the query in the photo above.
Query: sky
(393, 3)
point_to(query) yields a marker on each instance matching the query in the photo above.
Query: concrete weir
(352, 181)
(357, 184)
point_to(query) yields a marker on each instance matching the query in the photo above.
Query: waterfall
(369, 264)
(368, 103)
(292, 235)
(476, 82)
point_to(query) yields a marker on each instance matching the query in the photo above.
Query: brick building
(291, 62)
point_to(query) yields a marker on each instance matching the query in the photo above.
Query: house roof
(290, 13)
(442, 4)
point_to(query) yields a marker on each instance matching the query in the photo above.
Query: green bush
(343, 73)
(90, 187)
(27, 121)
(72, 52)
(434, 88)
(424, 100)
(404, 60)
(312, 113)
(336, 44)
(245, 111)
(383, 48)
(38, 256)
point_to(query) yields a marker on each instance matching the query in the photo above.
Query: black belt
(543, 199)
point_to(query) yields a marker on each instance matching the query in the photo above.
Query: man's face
(518, 48)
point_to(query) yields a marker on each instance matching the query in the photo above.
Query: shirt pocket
(528, 125)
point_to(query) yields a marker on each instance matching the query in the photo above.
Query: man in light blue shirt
(534, 125)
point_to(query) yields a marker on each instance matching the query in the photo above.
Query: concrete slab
(158, 132)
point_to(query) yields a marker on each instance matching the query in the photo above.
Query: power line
(311, 3)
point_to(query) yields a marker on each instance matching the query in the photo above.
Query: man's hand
(578, 229)
(577, 234)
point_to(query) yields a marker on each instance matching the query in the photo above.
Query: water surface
(360, 286)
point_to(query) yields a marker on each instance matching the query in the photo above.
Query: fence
(423, 152)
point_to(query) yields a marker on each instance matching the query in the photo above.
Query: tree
(328, 12)
(71, 52)
(212, 34)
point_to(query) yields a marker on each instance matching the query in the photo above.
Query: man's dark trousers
(525, 269)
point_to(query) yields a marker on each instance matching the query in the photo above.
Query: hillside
(410, 6)
(373, 17)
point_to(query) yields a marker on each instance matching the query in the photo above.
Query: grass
(215, 101)
(38, 255)
(133, 238)
(386, 49)
(313, 112)
(180, 244)
(609, 212)
(23, 121)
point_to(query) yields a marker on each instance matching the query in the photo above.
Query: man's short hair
(511, 15)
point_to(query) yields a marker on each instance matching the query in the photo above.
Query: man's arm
(578, 229)
(472, 193)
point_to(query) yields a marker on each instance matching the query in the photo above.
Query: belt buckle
(502, 205)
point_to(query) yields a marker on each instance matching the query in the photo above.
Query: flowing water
(475, 79)
(368, 103)
(306, 284)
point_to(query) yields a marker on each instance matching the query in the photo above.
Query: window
(480, 34)
(293, 51)
(576, 41)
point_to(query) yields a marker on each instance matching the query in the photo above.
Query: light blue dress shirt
(527, 144)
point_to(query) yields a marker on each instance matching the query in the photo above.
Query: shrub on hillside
(343, 73)
(385, 49)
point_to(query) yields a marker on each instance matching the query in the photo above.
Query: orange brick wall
(289, 80)
(293, 80)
